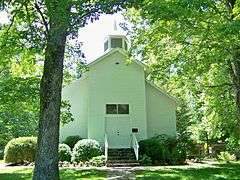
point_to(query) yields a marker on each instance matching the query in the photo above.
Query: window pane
(111, 109)
(123, 109)
(105, 45)
(116, 42)
(126, 46)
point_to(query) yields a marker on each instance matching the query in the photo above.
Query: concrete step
(122, 164)
(120, 150)
(122, 161)
(122, 155)
(121, 158)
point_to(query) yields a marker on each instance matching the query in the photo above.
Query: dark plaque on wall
(134, 130)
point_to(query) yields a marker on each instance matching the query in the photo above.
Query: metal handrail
(135, 145)
(106, 146)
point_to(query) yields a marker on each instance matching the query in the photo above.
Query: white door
(118, 131)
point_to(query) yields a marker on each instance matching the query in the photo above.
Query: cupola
(115, 40)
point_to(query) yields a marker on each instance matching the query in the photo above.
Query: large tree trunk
(234, 66)
(46, 166)
(235, 74)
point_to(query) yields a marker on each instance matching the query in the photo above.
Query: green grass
(65, 174)
(218, 171)
(221, 171)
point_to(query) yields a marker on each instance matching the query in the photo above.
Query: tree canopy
(192, 48)
(42, 27)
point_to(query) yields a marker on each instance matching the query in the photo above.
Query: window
(117, 108)
(111, 109)
(105, 45)
(126, 46)
(134, 130)
(123, 109)
(116, 42)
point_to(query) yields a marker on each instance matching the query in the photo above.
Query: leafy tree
(45, 25)
(193, 47)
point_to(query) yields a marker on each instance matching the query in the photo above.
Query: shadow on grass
(11, 174)
(65, 174)
(82, 174)
(222, 171)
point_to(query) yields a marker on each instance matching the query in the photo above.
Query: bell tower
(115, 40)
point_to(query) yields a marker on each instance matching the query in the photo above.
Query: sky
(92, 35)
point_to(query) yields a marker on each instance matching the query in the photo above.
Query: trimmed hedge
(86, 149)
(64, 152)
(20, 150)
(72, 140)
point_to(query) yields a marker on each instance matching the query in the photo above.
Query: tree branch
(42, 16)
(219, 85)
(11, 24)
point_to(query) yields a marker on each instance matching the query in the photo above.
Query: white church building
(115, 104)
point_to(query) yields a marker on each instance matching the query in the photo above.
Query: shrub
(3, 142)
(226, 157)
(20, 150)
(86, 149)
(64, 152)
(163, 149)
(1, 153)
(145, 160)
(177, 155)
(72, 140)
(237, 153)
(98, 161)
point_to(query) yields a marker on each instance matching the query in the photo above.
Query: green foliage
(145, 160)
(64, 152)
(66, 115)
(233, 146)
(98, 161)
(226, 157)
(43, 27)
(1, 153)
(72, 140)
(20, 150)
(163, 149)
(18, 107)
(86, 149)
(190, 47)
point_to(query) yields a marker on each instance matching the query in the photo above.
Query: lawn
(219, 171)
(26, 174)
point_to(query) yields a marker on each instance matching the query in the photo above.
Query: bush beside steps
(64, 152)
(72, 140)
(86, 149)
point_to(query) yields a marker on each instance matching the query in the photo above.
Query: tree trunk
(235, 74)
(46, 166)
(234, 67)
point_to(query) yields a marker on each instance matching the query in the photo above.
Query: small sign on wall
(134, 130)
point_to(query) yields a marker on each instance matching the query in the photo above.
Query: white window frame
(117, 108)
